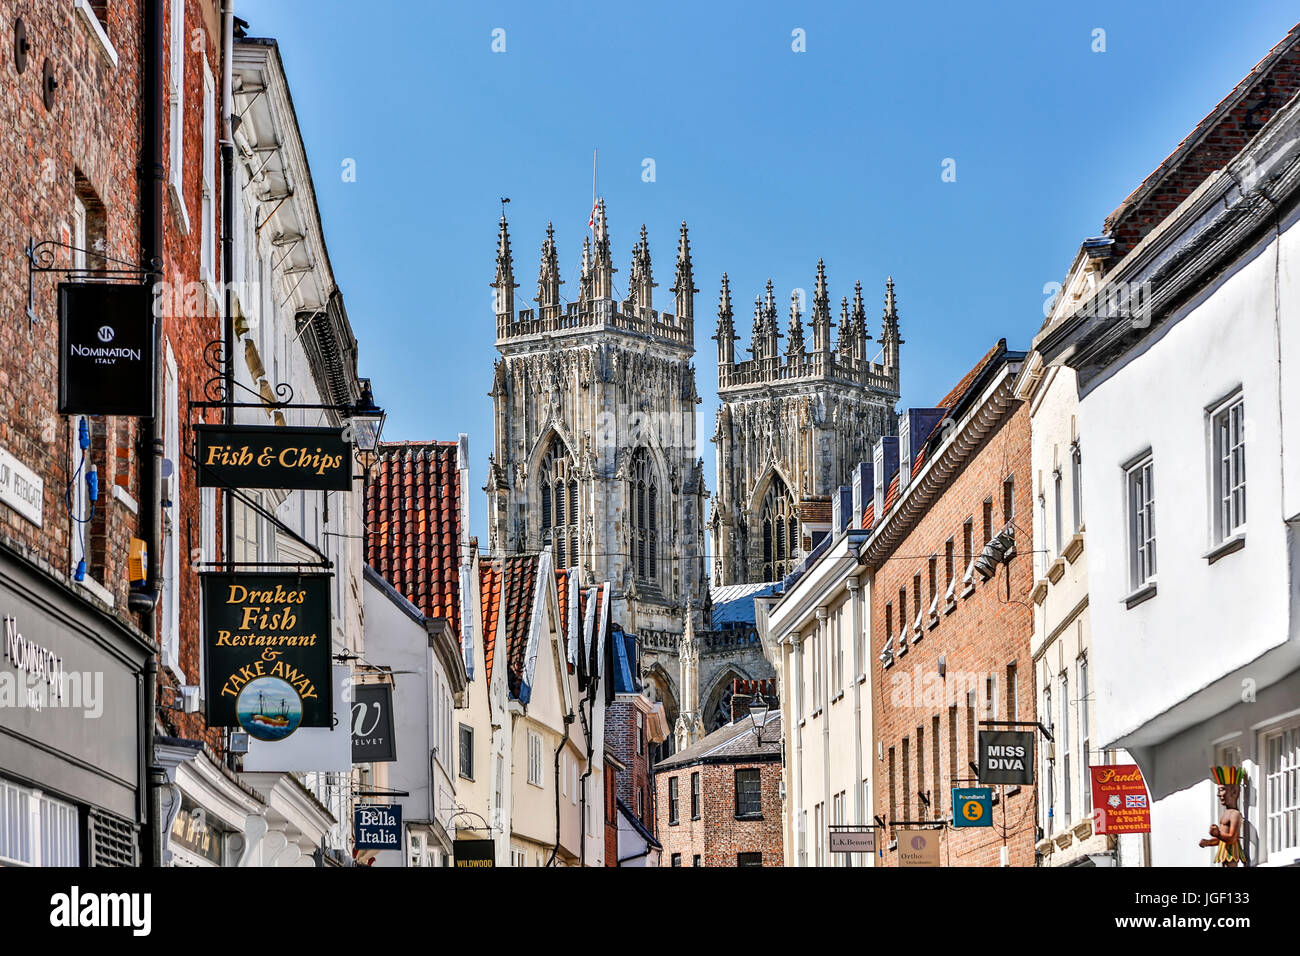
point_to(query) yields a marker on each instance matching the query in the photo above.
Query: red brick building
(718, 801)
(953, 648)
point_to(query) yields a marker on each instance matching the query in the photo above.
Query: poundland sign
(1007, 756)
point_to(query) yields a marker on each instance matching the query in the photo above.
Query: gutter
(555, 850)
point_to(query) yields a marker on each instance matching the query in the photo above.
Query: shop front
(72, 761)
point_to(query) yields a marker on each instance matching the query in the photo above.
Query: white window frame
(1085, 733)
(1059, 490)
(534, 758)
(31, 822)
(176, 112)
(171, 561)
(1076, 483)
(208, 194)
(1063, 736)
(1280, 817)
(1228, 469)
(1140, 509)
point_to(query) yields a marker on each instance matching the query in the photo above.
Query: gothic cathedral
(790, 428)
(595, 449)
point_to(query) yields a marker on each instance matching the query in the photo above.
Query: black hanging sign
(106, 346)
(475, 853)
(273, 456)
(372, 724)
(378, 826)
(267, 641)
(1006, 756)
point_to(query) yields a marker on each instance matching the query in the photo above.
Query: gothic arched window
(558, 486)
(645, 518)
(780, 528)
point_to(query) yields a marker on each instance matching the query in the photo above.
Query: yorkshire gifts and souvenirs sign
(267, 643)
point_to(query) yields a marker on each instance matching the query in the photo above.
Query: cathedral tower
(790, 429)
(595, 448)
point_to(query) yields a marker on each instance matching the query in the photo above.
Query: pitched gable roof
(414, 521)
(518, 598)
(489, 575)
(1217, 138)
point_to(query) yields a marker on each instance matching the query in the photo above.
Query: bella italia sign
(273, 456)
(267, 639)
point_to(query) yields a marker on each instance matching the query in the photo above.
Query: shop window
(37, 830)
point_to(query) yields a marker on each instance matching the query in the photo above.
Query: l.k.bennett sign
(273, 456)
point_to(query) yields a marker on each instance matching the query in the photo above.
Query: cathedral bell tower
(594, 453)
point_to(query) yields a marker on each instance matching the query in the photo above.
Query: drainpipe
(150, 446)
(555, 850)
(228, 261)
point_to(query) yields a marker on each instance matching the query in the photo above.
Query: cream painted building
(1061, 645)
(816, 639)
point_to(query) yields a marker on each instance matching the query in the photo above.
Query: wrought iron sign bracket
(324, 562)
(44, 257)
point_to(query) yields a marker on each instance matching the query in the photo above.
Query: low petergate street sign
(273, 456)
(1006, 756)
(267, 641)
(378, 826)
(106, 346)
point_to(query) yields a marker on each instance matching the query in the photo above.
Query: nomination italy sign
(267, 640)
(106, 349)
(273, 456)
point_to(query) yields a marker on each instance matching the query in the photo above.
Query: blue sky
(774, 157)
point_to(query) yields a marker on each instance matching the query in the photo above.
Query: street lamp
(367, 419)
(758, 715)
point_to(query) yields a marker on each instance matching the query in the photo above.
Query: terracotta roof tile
(815, 509)
(489, 576)
(414, 524)
(518, 590)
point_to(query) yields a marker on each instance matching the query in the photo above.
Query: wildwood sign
(106, 340)
(273, 456)
(267, 639)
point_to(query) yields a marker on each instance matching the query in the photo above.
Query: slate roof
(731, 743)
(414, 525)
(734, 603)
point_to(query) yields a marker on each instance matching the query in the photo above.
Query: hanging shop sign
(1006, 756)
(918, 847)
(310, 749)
(476, 853)
(972, 806)
(267, 638)
(1120, 803)
(852, 841)
(378, 826)
(106, 349)
(273, 456)
(192, 831)
(372, 724)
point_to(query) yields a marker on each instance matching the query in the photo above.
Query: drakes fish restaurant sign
(273, 456)
(267, 639)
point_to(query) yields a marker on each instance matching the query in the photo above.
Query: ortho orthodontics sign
(273, 456)
(267, 639)
(106, 345)
(1006, 756)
